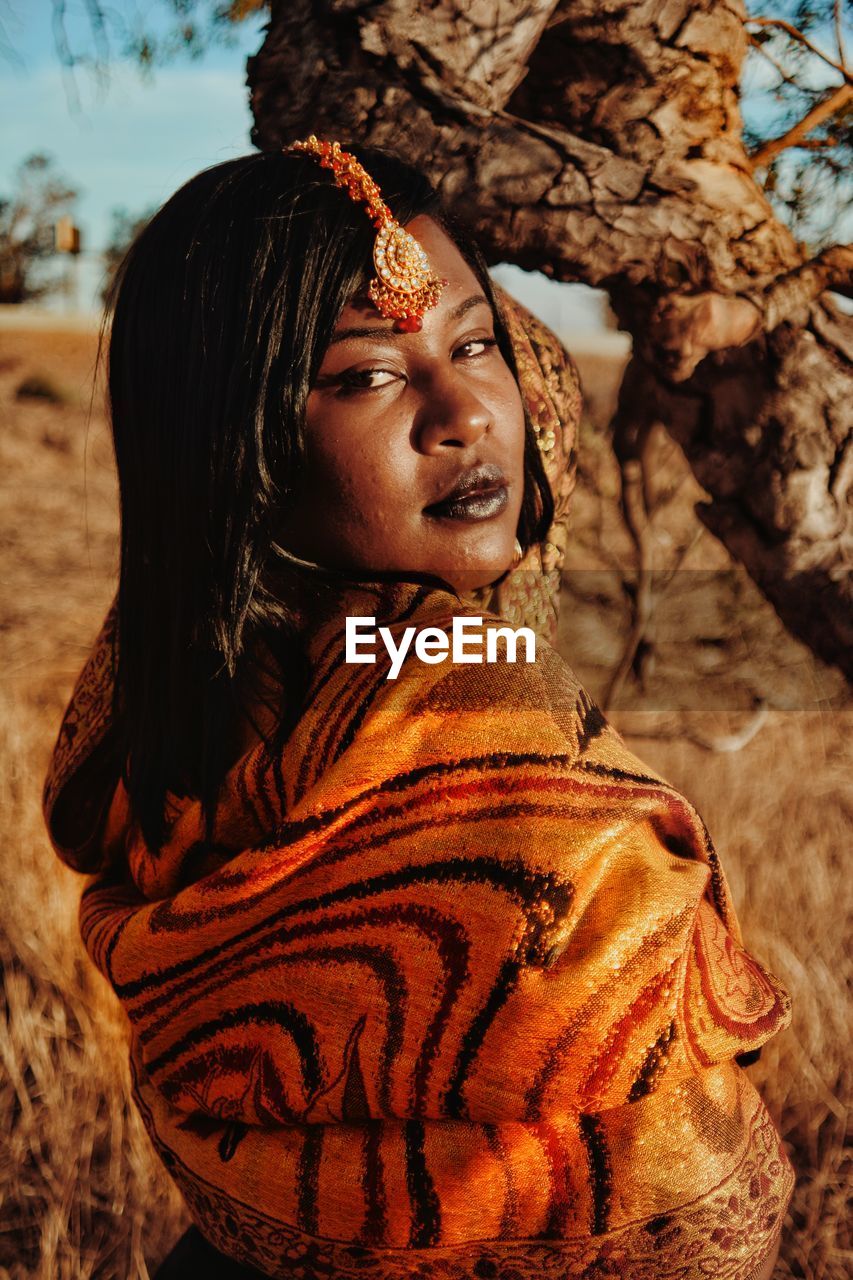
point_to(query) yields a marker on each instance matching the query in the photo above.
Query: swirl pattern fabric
(457, 989)
(457, 972)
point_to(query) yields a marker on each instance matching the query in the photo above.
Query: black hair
(221, 312)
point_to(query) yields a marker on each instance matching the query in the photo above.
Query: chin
(473, 575)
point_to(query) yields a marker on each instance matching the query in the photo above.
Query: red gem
(409, 324)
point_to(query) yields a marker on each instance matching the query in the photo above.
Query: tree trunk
(601, 142)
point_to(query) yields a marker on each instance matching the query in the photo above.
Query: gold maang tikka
(404, 287)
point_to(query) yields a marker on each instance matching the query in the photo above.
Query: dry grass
(82, 1193)
(780, 812)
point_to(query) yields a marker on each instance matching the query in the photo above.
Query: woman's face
(395, 420)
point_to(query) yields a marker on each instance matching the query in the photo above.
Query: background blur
(720, 698)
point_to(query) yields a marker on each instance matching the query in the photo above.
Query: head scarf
(457, 989)
(550, 384)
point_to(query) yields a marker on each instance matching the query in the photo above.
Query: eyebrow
(380, 334)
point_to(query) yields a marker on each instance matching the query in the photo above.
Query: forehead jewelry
(404, 287)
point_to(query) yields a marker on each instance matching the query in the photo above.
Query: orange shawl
(457, 990)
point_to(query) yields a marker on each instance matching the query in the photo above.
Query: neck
(308, 586)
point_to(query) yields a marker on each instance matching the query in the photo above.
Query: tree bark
(602, 142)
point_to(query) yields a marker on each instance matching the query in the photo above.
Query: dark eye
(476, 347)
(366, 379)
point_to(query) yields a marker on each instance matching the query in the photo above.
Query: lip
(479, 505)
(486, 477)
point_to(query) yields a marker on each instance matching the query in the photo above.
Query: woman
(425, 974)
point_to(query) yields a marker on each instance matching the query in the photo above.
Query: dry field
(718, 698)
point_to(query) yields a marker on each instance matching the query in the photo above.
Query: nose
(452, 415)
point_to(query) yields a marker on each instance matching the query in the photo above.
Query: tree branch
(831, 269)
(636, 518)
(777, 66)
(818, 144)
(820, 112)
(796, 34)
(684, 328)
(839, 36)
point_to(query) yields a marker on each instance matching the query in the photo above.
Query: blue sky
(133, 148)
(130, 144)
(134, 144)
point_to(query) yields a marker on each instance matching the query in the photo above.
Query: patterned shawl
(457, 990)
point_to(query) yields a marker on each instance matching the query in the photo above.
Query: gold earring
(519, 552)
